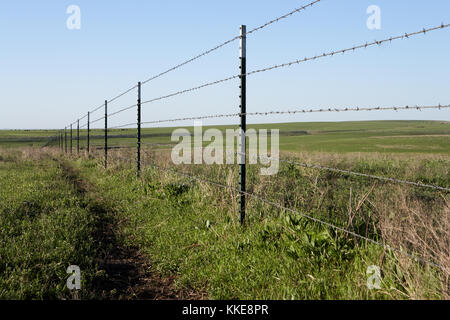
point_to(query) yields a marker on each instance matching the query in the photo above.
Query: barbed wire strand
(282, 17)
(265, 113)
(348, 172)
(122, 94)
(158, 144)
(230, 41)
(274, 204)
(191, 89)
(97, 120)
(288, 64)
(121, 110)
(209, 51)
(99, 147)
(112, 100)
(343, 51)
(123, 126)
(355, 109)
(98, 108)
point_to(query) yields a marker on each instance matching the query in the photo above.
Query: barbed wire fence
(66, 144)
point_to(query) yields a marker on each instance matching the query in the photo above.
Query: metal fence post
(88, 132)
(106, 134)
(139, 130)
(243, 126)
(78, 136)
(71, 139)
(65, 139)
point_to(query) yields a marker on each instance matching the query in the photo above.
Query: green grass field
(44, 229)
(58, 210)
(425, 137)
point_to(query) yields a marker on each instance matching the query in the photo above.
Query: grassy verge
(45, 228)
(77, 213)
(190, 229)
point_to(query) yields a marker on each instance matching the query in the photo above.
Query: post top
(243, 42)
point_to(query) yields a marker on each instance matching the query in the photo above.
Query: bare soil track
(129, 274)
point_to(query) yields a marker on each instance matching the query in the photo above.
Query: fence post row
(88, 132)
(139, 130)
(65, 139)
(106, 134)
(243, 126)
(78, 136)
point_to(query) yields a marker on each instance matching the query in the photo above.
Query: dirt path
(129, 273)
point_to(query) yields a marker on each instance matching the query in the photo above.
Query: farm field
(424, 137)
(183, 234)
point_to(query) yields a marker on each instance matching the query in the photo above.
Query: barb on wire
(98, 108)
(343, 51)
(282, 17)
(383, 245)
(311, 110)
(277, 205)
(97, 120)
(109, 101)
(193, 176)
(230, 41)
(209, 84)
(194, 118)
(348, 109)
(191, 60)
(123, 126)
(121, 110)
(210, 51)
(348, 172)
(158, 144)
(115, 147)
(122, 94)
(288, 64)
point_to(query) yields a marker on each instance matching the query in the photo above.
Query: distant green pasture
(424, 137)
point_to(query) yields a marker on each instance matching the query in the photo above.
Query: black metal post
(139, 130)
(106, 134)
(71, 139)
(243, 126)
(65, 139)
(78, 136)
(88, 132)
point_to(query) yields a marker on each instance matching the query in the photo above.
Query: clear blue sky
(50, 75)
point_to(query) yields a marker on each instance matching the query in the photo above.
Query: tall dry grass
(414, 220)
